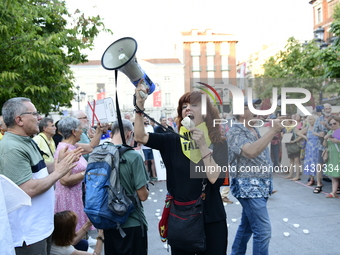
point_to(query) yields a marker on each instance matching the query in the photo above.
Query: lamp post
(319, 37)
(79, 96)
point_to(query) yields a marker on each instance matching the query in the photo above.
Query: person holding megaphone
(191, 165)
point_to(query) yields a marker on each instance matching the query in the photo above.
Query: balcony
(196, 68)
(211, 68)
(225, 67)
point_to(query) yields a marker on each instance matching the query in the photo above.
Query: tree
(305, 66)
(297, 66)
(38, 41)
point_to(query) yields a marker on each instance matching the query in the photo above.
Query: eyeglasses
(36, 114)
(333, 123)
(82, 118)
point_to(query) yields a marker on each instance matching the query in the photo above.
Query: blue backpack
(106, 203)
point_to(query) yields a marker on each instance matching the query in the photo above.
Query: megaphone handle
(142, 94)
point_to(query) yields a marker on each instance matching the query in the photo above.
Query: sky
(156, 24)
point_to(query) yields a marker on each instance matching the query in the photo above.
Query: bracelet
(209, 154)
(100, 238)
(139, 111)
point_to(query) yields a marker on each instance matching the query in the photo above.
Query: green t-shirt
(20, 158)
(133, 176)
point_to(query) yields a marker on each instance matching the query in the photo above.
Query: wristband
(139, 111)
(209, 154)
(100, 238)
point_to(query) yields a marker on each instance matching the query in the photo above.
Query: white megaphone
(120, 56)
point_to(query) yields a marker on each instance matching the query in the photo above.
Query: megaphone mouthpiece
(120, 56)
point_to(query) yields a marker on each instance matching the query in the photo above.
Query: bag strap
(47, 146)
(134, 197)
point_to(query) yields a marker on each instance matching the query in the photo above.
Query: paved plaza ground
(294, 201)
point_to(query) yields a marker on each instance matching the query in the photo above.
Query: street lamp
(319, 37)
(79, 96)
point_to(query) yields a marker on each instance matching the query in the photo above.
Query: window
(210, 63)
(90, 98)
(211, 75)
(224, 49)
(196, 64)
(225, 76)
(167, 99)
(318, 15)
(196, 75)
(167, 78)
(210, 49)
(195, 49)
(224, 63)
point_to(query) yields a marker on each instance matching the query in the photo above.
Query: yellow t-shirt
(48, 148)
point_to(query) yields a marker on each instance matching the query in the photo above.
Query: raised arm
(140, 135)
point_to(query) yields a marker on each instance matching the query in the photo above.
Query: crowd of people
(48, 160)
(312, 149)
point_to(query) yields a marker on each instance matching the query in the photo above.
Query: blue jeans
(255, 220)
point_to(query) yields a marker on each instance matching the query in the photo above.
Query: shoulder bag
(186, 224)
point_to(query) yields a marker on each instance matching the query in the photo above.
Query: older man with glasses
(21, 161)
(88, 133)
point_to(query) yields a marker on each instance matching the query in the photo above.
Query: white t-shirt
(61, 250)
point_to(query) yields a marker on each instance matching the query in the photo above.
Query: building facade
(209, 57)
(323, 11)
(97, 83)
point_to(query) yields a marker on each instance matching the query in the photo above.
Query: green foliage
(304, 65)
(38, 41)
(296, 66)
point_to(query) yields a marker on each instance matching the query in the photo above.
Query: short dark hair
(65, 223)
(44, 123)
(162, 117)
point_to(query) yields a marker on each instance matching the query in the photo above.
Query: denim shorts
(148, 154)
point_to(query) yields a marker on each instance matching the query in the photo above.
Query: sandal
(310, 183)
(317, 189)
(288, 177)
(295, 179)
(331, 195)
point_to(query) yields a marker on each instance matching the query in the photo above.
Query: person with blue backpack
(134, 178)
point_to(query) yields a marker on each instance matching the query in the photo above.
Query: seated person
(65, 239)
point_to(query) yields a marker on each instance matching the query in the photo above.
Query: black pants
(216, 237)
(134, 243)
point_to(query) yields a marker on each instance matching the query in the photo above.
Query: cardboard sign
(104, 109)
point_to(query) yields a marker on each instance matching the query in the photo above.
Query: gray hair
(44, 123)
(127, 126)
(76, 114)
(67, 125)
(162, 117)
(13, 107)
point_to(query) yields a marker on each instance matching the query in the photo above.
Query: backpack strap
(134, 197)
